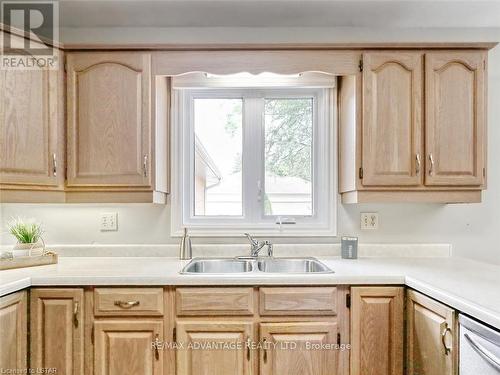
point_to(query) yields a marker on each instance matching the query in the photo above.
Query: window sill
(239, 232)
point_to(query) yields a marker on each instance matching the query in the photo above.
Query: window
(254, 158)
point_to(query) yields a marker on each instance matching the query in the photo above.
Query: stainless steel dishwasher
(479, 348)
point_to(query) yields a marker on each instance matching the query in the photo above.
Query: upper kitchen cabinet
(389, 151)
(392, 118)
(109, 121)
(31, 135)
(110, 133)
(455, 118)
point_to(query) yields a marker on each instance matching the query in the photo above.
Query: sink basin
(218, 265)
(254, 265)
(292, 265)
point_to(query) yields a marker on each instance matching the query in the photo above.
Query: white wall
(473, 230)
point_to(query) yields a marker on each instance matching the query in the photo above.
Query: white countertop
(466, 285)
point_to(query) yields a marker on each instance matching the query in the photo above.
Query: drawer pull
(126, 304)
(264, 348)
(157, 342)
(75, 314)
(443, 338)
(431, 169)
(248, 348)
(54, 165)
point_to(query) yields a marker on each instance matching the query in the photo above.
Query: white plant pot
(28, 249)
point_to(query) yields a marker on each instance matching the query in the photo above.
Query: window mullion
(252, 158)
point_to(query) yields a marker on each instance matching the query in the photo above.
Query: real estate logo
(34, 27)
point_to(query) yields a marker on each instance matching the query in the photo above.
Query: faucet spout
(256, 246)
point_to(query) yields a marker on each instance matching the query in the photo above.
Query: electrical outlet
(369, 220)
(109, 221)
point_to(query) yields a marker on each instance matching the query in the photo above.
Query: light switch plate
(369, 220)
(109, 221)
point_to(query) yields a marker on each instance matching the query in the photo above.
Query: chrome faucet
(256, 246)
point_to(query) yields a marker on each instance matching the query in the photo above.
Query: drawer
(128, 301)
(298, 301)
(214, 301)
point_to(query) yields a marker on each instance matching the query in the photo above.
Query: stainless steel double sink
(244, 265)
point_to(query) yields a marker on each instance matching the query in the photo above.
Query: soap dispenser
(185, 250)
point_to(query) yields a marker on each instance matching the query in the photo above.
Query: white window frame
(324, 219)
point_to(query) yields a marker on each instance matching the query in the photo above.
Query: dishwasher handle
(485, 354)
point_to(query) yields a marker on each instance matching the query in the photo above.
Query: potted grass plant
(29, 237)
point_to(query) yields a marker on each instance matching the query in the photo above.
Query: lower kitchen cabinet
(56, 318)
(215, 347)
(298, 348)
(377, 321)
(432, 337)
(13, 333)
(125, 347)
(249, 331)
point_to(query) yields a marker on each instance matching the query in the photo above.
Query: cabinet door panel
(13, 337)
(307, 358)
(377, 331)
(124, 347)
(455, 116)
(109, 120)
(57, 330)
(427, 321)
(215, 360)
(392, 118)
(29, 128)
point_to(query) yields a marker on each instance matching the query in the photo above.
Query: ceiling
(279, 13)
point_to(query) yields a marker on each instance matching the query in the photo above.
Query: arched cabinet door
(31, 129)
(455, 118)
(392, 119)
(109, 125)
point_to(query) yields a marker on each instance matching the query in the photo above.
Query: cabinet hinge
(92, 335)
(174, 335)
(348, 300)
(360, 65)
(360, 173)
(338, 339)
(484, 172)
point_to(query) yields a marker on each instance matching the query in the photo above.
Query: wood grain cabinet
(392, 119)
(377, 315)
(124, 347)
(109, 120)
(389, 151)
(13, 337)
(299, 348)
(215, 347)
(455, 118)
(57, 325)
(431, 337)
(31, 134)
